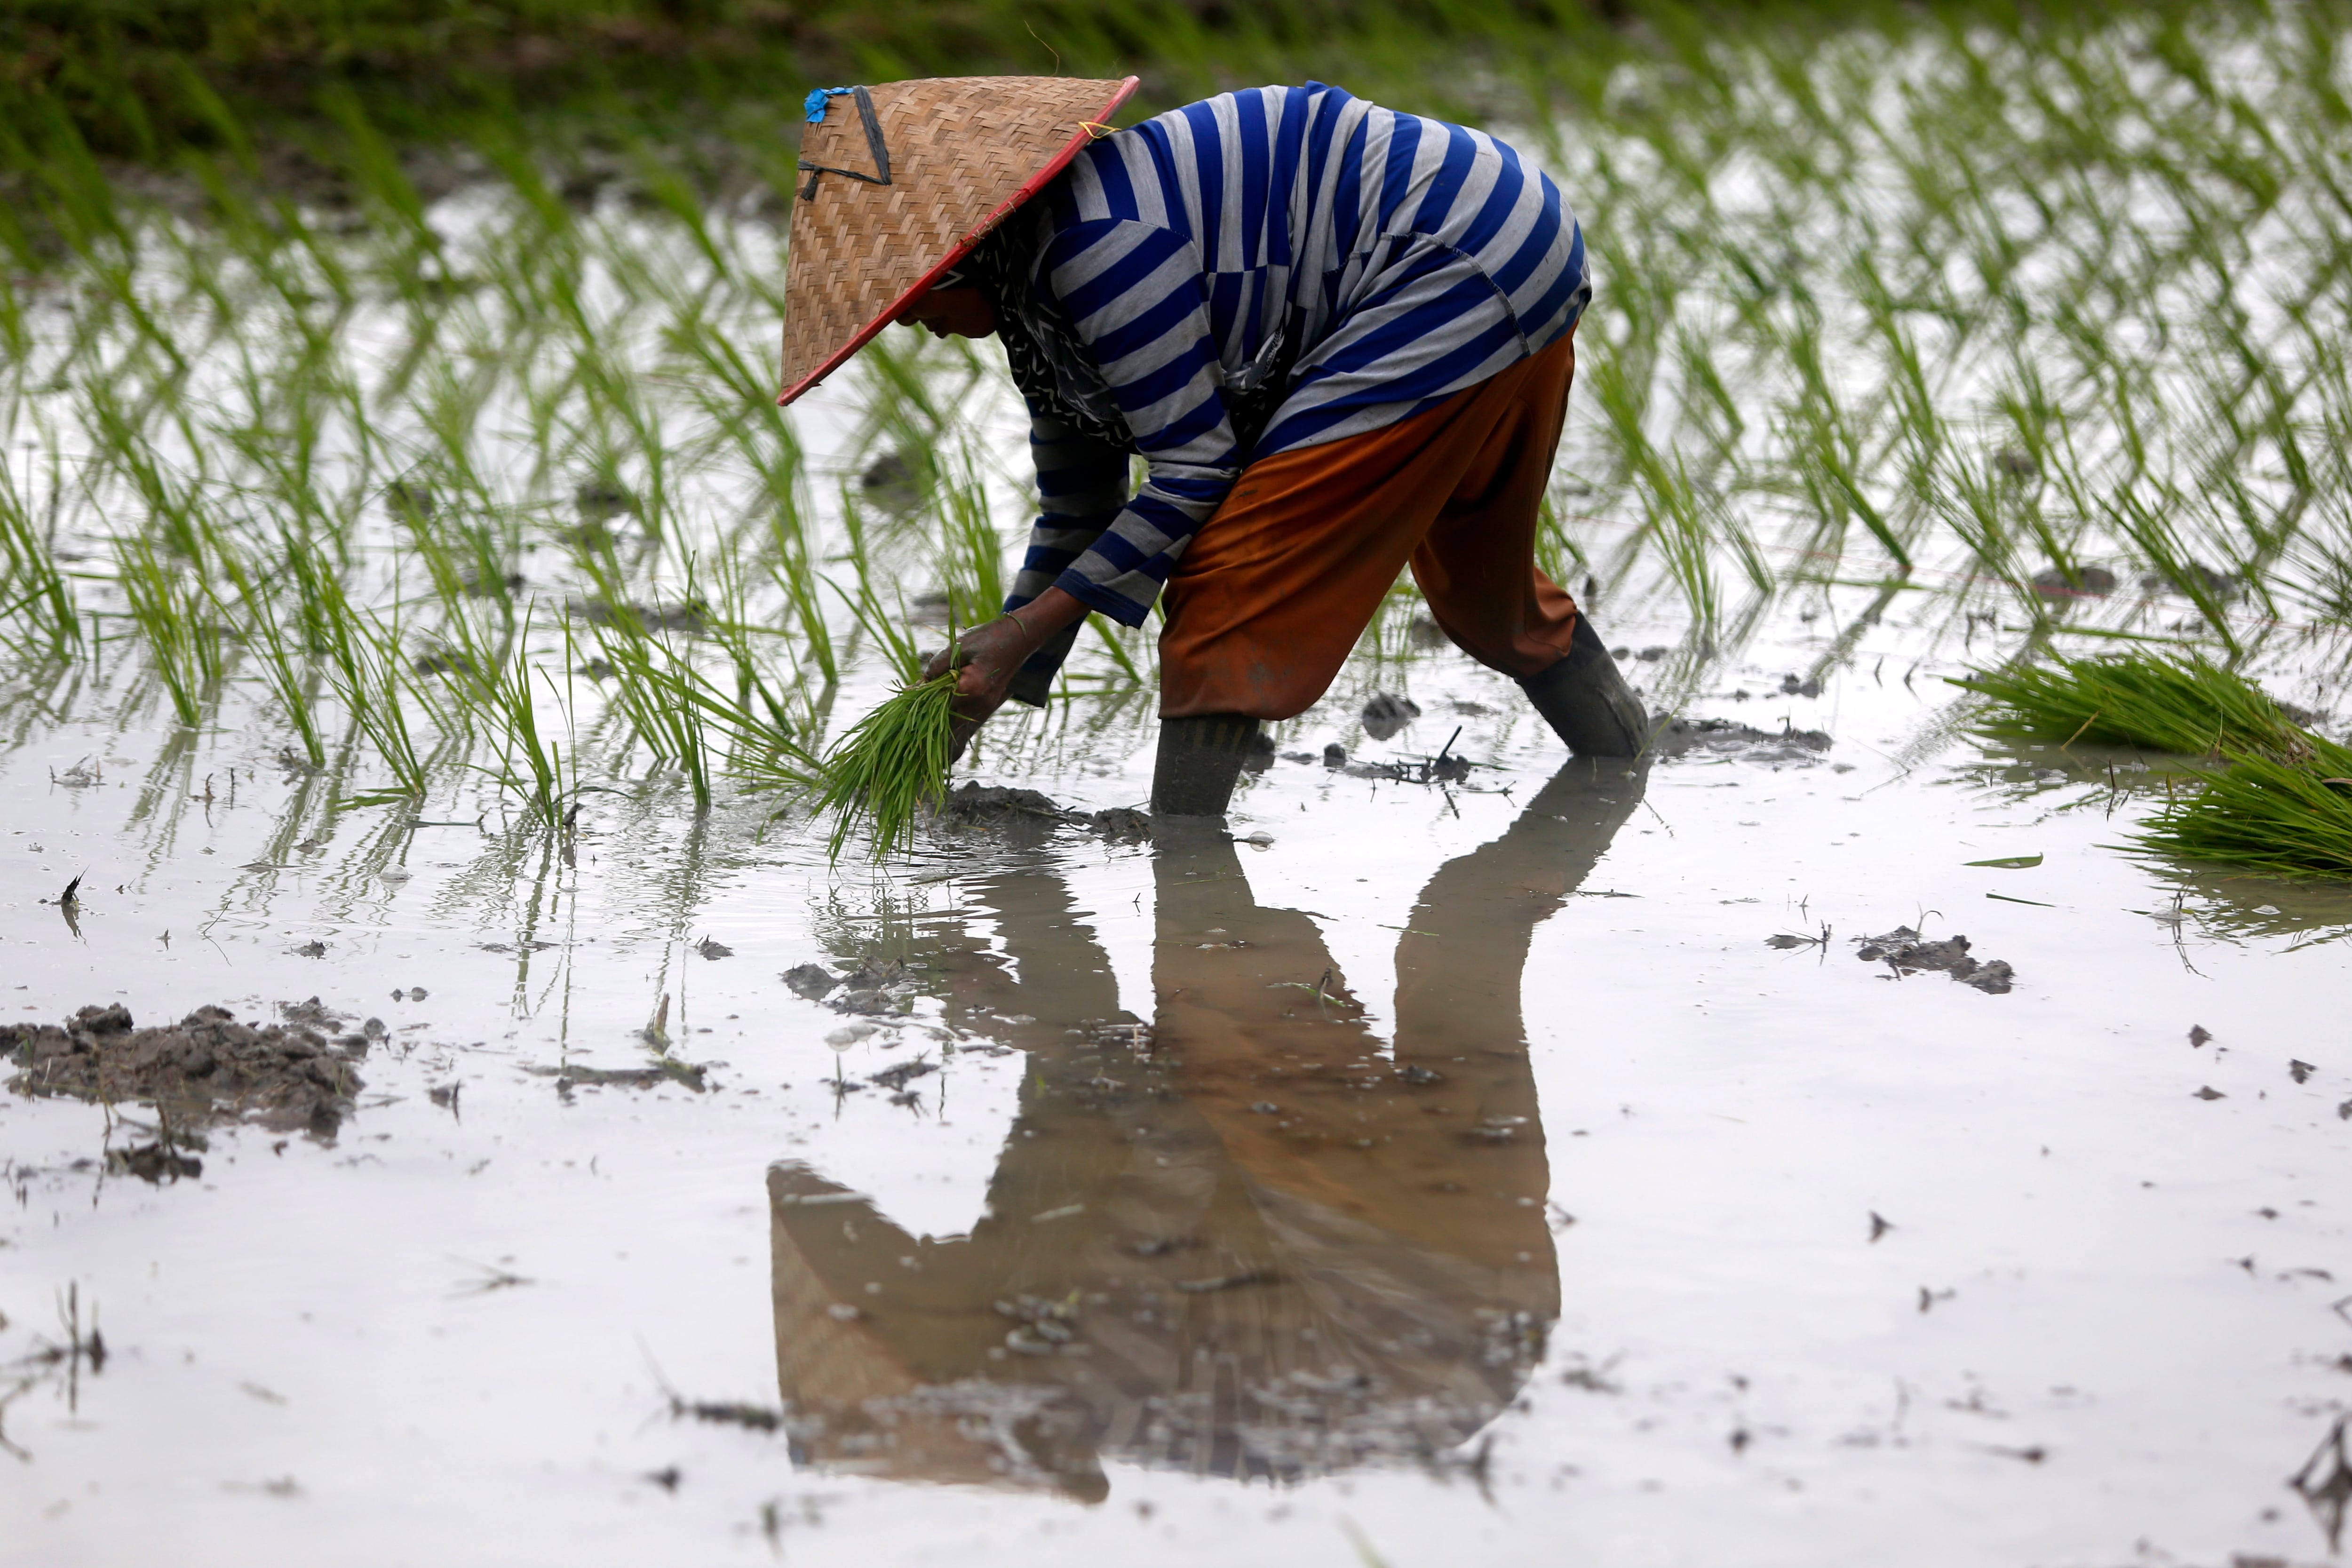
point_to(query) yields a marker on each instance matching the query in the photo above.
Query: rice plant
(502, 692)
(365, 667)
(289, 680)
(170, 613)
(34, 592)
(686, 719)
(975, 555)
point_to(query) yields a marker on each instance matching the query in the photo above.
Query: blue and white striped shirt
(1387, 260)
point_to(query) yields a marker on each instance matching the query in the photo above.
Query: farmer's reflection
(1248, 1243)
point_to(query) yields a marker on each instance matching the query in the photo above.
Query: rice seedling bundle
(2190, 705)
(2282, 818)
(2283, 806)
(890, 765)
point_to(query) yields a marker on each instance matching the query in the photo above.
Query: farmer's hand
(990, 655)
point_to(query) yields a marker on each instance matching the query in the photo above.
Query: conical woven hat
(960, 153)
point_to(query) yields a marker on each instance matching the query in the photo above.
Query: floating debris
(1906, 952)
(1233, 1282)
(899, 1076)
(155, 1162)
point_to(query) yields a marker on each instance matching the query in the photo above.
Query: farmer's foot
(1587, 702)
(1200, 761)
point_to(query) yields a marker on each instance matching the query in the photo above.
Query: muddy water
(1459, 1175)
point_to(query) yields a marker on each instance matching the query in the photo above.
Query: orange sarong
(1275, 588)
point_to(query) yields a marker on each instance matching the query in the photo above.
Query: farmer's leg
(1477, 566)
(1275, 590)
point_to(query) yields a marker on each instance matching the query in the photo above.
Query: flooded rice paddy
(1824, 1141)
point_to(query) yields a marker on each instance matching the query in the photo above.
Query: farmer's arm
(1081, 486)
(1082, 482)
(1137, 297)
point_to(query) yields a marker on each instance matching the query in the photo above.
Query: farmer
(1341, 339)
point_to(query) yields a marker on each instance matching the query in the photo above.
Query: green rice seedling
(168, 608)
(793, 575)
(132, 449)
(611, 398)
(647, 691)
(465, 557)
(677, 712)
(1673, 524)
(888, 629)
(731, 627)
(891, 763)
(260, 628)
(288, 676)
(280, 430)
(2186, 704)
(501, 694)
(365, 667)
(16, 340)
(975, 555)
(2151, 525)
(1113, 637)
(662, 184)
(2266, 813)
(33, 589)
(373, 167)
(318, 597)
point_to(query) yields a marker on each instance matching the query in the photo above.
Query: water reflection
(1247, 1238)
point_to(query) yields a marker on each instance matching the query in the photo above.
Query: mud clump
(1906, 952)
(1736, 742)
(206, 1068)
(810, 980)
(989, 806)
(1387, 713)
(997, 806)
(1124, 823)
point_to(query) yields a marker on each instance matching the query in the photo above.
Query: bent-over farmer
(1341, 339)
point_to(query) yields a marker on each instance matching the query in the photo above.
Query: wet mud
(208, 1068)
(1013, 809)
(1729, 740)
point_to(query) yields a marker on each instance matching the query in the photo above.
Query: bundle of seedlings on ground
(2190, 705)
(2284, 819)
(890, 765)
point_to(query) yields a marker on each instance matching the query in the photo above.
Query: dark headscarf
(1055, 371)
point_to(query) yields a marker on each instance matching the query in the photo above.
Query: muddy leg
(1586, 700)
(1199, 762)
